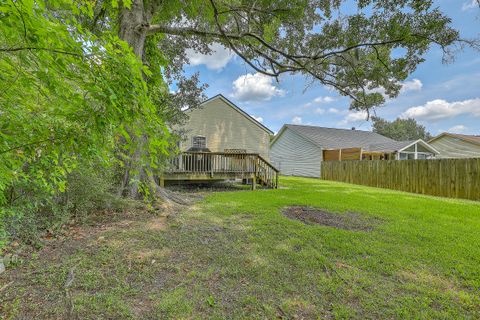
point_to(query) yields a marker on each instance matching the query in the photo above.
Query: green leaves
(400, 129)
(67, 96)
(349, 46)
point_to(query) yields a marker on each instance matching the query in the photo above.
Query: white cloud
(320, 100)
(319, 111)
(259, 119)
(255, 87)
(354, 116)
(214, 61)
(297, 120)
(440, 109)
(470, 5)
(412, 85)
(326, 99)
(409, 85)
(457, 129)
(334, 110)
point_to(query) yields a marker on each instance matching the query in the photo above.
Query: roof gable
(239, 110)
(399, 146)
(468, 138)
(283, 129)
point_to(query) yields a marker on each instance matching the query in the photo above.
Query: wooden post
(162, 181)
(212, 163)
(254, 180)
(180, 162)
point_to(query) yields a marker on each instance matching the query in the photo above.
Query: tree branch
(42, 49)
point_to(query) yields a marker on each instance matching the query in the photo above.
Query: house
(220, 126)
(298, 149)
(222, 142)
(452, 145)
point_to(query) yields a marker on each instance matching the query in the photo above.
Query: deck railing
(220, 163)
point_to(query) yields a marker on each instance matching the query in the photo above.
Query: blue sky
(443, 97)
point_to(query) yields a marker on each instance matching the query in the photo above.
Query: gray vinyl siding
(451, 147)
(294, 155)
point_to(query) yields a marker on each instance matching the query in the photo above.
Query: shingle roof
(470, 138)
(330, 138)
(390, 146)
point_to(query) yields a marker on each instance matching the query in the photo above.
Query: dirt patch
(346, 221)
(158, 223)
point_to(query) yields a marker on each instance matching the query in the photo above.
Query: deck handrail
(268, 163)
(218, 163)
(220, 153)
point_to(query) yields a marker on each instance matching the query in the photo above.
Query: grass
(235, 255)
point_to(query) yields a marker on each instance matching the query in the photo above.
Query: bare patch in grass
(346, 221)
(159, 223)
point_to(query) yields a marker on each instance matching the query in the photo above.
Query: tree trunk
(133, 24)
(133, 27)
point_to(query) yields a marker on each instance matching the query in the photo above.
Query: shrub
(89, 189)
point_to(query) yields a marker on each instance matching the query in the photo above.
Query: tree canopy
(400, 129)
(352, 47)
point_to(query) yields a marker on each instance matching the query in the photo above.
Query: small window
(199, 142)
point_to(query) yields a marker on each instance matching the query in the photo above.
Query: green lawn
(235, 255)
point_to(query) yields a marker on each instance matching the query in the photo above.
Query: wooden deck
(210, 166)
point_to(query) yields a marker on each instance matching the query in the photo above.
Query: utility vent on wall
(199, 142)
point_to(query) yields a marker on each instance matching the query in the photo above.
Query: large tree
(400, 129)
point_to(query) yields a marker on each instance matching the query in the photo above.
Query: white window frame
(428, 155)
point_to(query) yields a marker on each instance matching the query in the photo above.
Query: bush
(89, 189)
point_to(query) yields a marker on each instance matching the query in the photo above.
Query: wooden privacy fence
(454, 178)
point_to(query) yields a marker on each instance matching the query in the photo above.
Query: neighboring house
(451, 145)
(220, 126)
(298, 150)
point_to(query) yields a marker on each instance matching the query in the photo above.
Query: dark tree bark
(132, 27)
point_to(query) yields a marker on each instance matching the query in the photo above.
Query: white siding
(294, 155)
(225, 128)
(451, 147)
